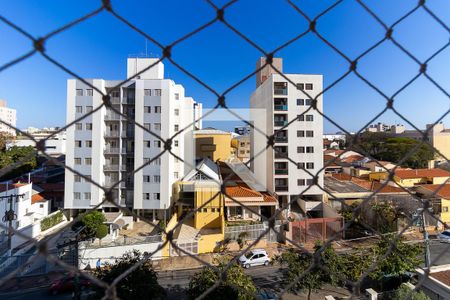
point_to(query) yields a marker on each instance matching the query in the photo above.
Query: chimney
(266, 71)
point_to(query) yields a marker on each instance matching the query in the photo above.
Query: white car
(444, 236)
(255, 257)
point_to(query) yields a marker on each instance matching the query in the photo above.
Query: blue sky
(98, 48)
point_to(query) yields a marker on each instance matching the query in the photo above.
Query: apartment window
(300, 165)
(147, 126)
(301, 118)
(156, 196)
(146, 160)
(300, 133)
(310, 149)
(79, 92)
(308, 102)
(88, 178)
(175, 143)
(88, 161)
(309, 182)
(115, 94)
(87, 196)
(310, 165)
(77, 195)
(79, 109)
(156, 178)
(309, 118)
(176, 159)
(175, 175)
(300, 101)
(300, 149)
(176, 112)
(77, 178)
(157, 161)
(147, 92)
(147, 144)
(147, 109)
(300, 86)
(176, 127)
(300, 182)
(157, 92)
(78, 126)
(88, 126)
(89, 92)
(77, 161)
(157, 144)
(445, 209)
(177, 96)
(157, 126)
(308, 86)
(205, 210)
(89, 109)
(146, 178)
(146, 196)
(78, 144)
(89, 144)
(157, 109)
(309, 133)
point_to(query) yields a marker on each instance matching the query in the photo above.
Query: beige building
(213, 144)
(7, 115)
(242, 145)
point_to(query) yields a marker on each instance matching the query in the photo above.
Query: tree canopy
(15, 154)
(142, 283)
(93, 221)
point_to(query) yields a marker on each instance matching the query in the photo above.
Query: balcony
(280, 120)
(115, 100)
(111, 151)
(281, 172)
(110, 167)
(281, 107)
(280, 104)
(281, 188)
(280, 88)
(112, 134)
(280, 138)
(112, 117)
(110, 183)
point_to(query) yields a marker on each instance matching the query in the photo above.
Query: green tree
(403, 292)
(403, 258)
(15, 154)
(142, 283)
(397, 148)
(92, 221)
(237, 284)
(102, 231)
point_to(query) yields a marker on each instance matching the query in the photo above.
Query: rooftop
(443, 190)
(418, 173)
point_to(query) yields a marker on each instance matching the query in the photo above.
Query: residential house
(439, 195)
(413, 177)
(241, 144)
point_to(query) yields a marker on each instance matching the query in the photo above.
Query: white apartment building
(106, 147)
(54, 145)
(301, 141)
(7, 115)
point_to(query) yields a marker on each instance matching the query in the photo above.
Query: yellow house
(440, 199)
(198, 221)
(213, 144)
(409, 178)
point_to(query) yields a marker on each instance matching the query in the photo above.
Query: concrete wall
(214, 146)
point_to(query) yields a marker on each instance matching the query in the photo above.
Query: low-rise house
(242, 145)
(413, 177)
(213, 144)
(439, 195)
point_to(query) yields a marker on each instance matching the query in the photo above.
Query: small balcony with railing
(281, 185)
(280, 151)
(281, 168)
(109, 167)
(112, 133)
(281, 136)
(112, 116)
(280, 88)
(280, 120)
(112, 150)
(280, 104)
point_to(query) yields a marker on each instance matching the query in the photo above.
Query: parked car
(67, 284)
(264, 294)
(444, 236)
(255, 257)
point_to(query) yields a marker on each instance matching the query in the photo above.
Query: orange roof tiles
(368, 185)
(443, 192)
(442, 276)
(240, 191)
(11, 186)
(37, 198)
(342, 176)
(269, 198)
(418, 173)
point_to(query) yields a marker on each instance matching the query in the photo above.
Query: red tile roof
(368, 185)
(420, 173)
(10, 186)
(352, 158)
(37, 198)
(240, 191)
(342, 176)
(443, 192)
(269, 198)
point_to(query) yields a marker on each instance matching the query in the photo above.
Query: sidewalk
(31, 282)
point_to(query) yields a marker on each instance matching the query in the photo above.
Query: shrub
(102, 231)
(51, 221)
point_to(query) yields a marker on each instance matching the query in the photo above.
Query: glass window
(146, 178)
(157, 109)
(115, 94)
(89, 92)
(300, 133)
(88, 126)
(147, 92)
(176, 127)
(78, 126)
(309, 182)
(157, 144)
(146, 196)
(309, 118)
(308, 86)
(87, 196)
(300, 182)
(79, 92)
(156, 196)
(89, 144)
(79, 109)
(177, 96)
(300, 101)
(156, 178)
(88, 161)
(147, 126)
(177, 112)
(300, 165)
(300, 149)
(310, 149)
(77, 178)
(300, 86)
(89, 109)
(308, 101)
(77, 161)
(309, 133)
(77, 196)
(147, 144)
(157, 126)
(301, 118)
(157, 92)
(147, 109)
(78, 144)
(175, 143)
(310, 165)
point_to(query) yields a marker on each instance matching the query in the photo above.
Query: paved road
(439, 253)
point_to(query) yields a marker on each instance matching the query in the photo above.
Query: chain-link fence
(167, 50)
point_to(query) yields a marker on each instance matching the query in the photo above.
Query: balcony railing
(281, 171)
(281, 155)
(280, 91)
(109, 183)
(112, 151)
(110, 167)
(112, 134)
(115, 100)
(112, 117)
(281, 107)
(281, 188)
(281, 139)
(280, 123)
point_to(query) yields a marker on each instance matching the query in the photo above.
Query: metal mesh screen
(326, 230)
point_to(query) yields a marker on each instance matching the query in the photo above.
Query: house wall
(214, 146)
(445, 215)
(213, 216)
(208, 242)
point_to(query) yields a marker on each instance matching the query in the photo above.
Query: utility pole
(10, 216)
(426, 239)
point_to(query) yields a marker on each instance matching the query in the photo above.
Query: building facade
(274, 104)
(107, 147)
(213, 144)
(7, 115)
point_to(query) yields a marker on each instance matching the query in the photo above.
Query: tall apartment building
(105, 146)
(274, 103)
(7, 115)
